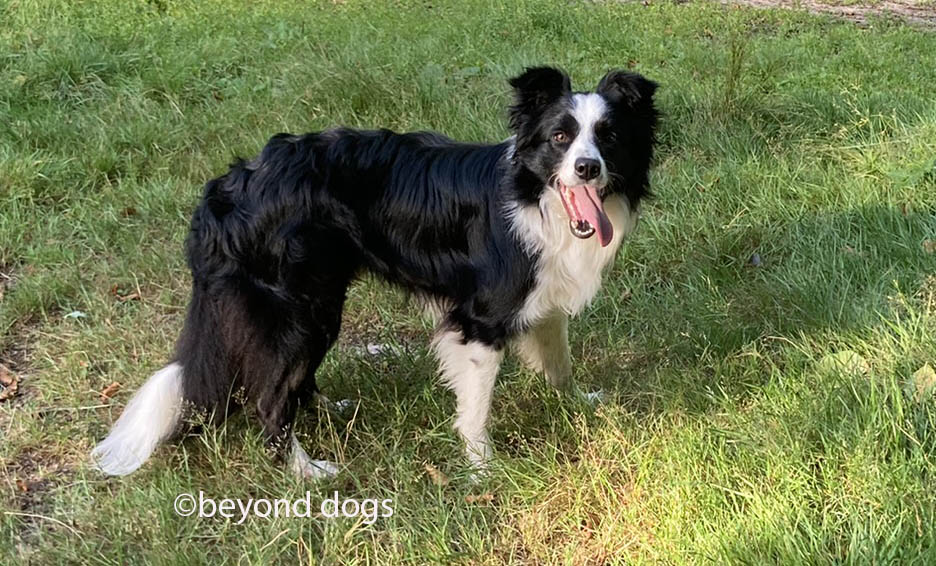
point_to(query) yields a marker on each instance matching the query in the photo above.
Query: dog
(504, 242)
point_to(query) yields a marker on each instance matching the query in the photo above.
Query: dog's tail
(151, 416)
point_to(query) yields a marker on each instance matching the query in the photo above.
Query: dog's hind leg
(266, 343)
(277, 406)
(284, 391)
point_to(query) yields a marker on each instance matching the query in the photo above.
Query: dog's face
(584, 145)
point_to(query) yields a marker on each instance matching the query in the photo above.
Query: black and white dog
(504, 242)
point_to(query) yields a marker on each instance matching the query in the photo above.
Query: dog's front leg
(469, 369)
(545, 348)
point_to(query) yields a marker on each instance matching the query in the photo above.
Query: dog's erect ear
(534, 89)
(625, 87)
(540, 85)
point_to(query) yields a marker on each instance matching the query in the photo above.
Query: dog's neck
(569, 269)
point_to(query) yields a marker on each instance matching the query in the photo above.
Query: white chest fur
(569, 269)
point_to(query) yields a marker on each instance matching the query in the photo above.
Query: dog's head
(584, 145)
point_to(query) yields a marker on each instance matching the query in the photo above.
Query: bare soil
(917, 12)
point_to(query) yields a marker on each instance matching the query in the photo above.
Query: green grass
(807, 141)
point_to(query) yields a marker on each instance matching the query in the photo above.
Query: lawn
(759, 337)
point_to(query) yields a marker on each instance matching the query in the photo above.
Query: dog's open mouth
(586, 212)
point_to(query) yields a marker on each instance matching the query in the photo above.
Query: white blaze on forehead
(587, 109)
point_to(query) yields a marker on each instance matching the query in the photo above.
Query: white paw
(479, 455)
(343, 406)
(304, 467)
(593, 397)
(478, 476)
(315, 470)
(337, 408)
(382, 349)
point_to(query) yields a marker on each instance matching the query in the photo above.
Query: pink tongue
(588, 205)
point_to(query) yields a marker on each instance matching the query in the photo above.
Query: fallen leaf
(484, 498)
(924, 381)
(8, 383)
(6, 376)
(929, 246)
(435, 475)
(846, 362)
(22, 485)
(109, 391)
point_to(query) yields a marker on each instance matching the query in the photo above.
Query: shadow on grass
(688, 330)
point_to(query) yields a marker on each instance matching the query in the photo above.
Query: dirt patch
(14, 340)
(14, 357)
(34, 473)
(917, 12)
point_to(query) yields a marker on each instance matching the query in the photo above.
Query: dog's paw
(304, 467)
(593, 398)
(379, 350)
(478, 476)
(315, 470)
(337, 408)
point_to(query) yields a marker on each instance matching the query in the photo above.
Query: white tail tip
(150, 417)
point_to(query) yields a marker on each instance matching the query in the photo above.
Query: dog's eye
(606, 134)
(560, 137)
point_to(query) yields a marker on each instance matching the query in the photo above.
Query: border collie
(504, 242)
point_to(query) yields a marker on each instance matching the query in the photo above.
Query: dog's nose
(587, 168)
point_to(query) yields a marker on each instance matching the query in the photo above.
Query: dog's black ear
(534, 89)
(628, 88)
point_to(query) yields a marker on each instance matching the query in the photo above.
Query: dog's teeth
(581, 229)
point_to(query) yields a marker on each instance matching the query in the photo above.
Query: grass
(728, 436)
